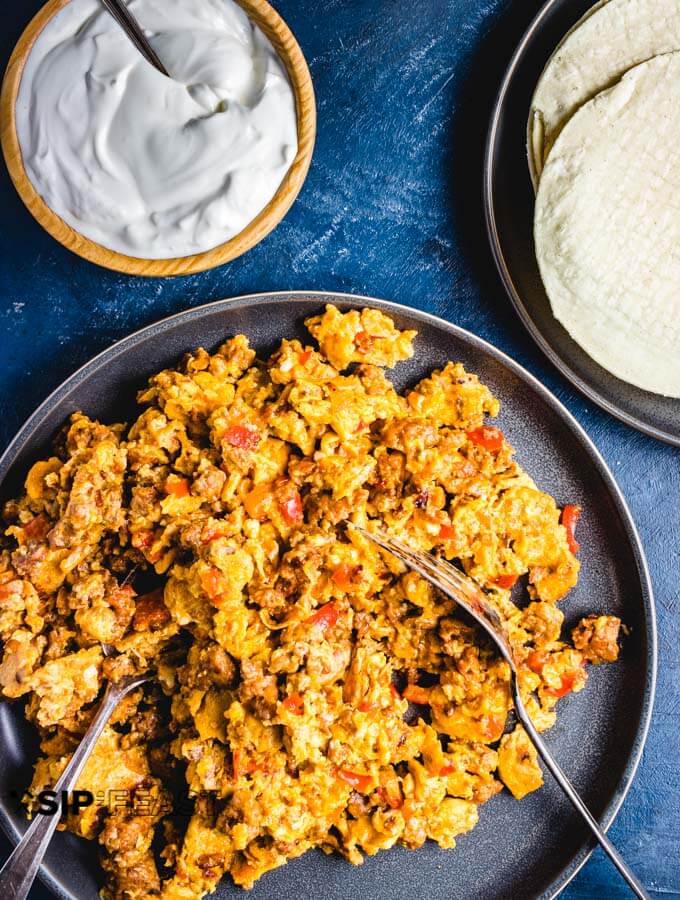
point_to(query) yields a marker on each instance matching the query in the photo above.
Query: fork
(18, 873)
(467, 594)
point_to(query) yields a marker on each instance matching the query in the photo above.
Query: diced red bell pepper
(416, 694)
(447, 769)
(244, 436)
(9, 589)
(359, 782)
(447, 532)
(363, 341)
(176, 486)
(240, 767)
(505, 581)
(344, 574)
(567, 684)
(235, 761)
(325, 616)
(211, 532)
(294, 704)
(292, 510)
(488, 437)
(536, 660)
(290, 504)
(570, 516)
(257, 501)
(492, 726)
(304, 356)
(212, 582)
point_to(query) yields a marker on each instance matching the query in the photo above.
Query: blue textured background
(392, 207)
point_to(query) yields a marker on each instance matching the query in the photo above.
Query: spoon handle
(631, 879)
(18, 873)
(131, 27)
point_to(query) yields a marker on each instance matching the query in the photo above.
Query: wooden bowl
(281, 37)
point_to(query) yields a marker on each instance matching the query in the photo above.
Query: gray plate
(522, 849)
(509, 207)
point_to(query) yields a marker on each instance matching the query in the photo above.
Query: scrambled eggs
(325, 696)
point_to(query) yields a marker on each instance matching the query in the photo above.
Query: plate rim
(489, 168)
(579, 859)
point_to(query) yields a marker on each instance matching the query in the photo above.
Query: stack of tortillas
(604, 153)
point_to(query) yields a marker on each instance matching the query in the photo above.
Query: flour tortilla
(535, 126)
(607, 226)
(611, 38)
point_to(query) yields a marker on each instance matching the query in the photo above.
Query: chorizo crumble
(326, 697)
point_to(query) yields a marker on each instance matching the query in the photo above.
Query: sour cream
(146, 165)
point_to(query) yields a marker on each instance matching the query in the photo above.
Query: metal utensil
(132, 28)
(18, 873)
(464, 591)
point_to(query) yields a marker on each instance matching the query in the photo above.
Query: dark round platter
(527, 849)
(509, 209)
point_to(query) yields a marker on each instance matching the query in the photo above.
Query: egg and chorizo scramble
(323, 695)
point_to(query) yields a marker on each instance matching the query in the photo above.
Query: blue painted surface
(392, 207)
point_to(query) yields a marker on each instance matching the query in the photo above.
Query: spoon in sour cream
(132, 28)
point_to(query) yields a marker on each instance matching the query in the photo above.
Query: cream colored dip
(146, 165)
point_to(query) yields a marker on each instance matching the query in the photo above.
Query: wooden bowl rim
(274, 27)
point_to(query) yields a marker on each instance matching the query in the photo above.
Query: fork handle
(18, 873)
(633, 882)
(133, 30)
